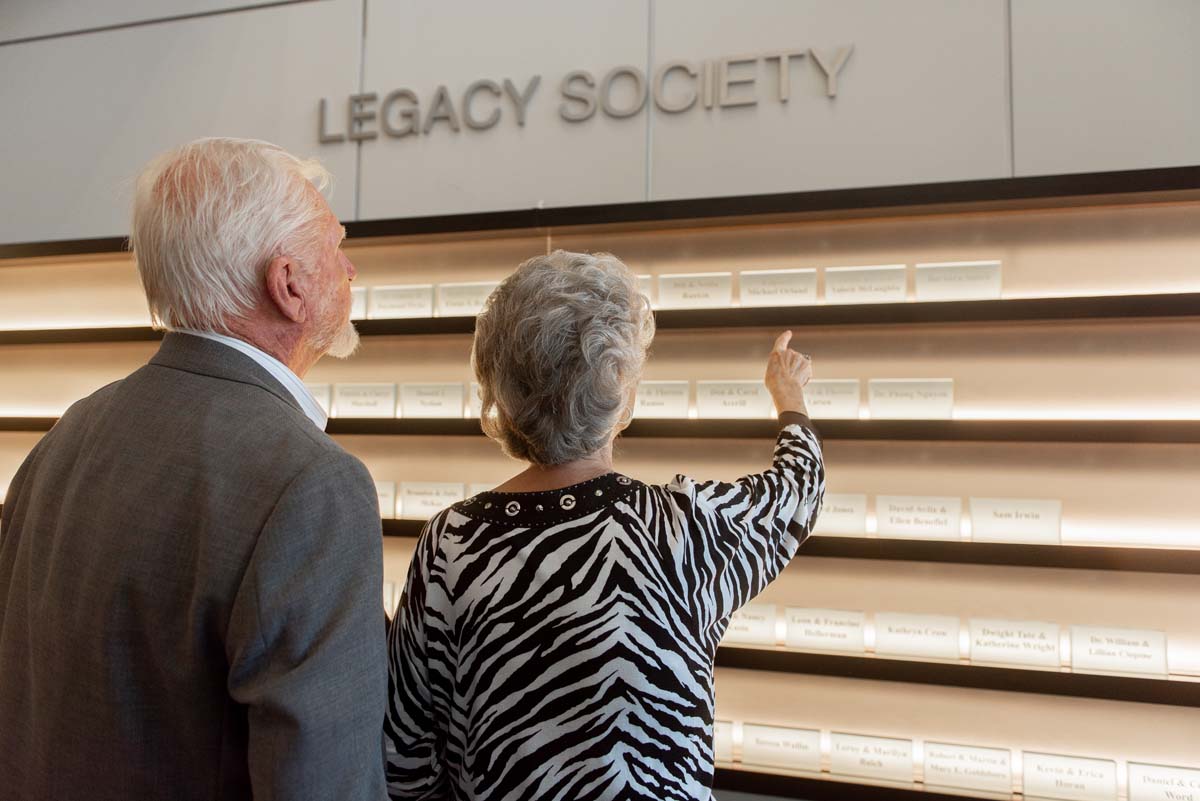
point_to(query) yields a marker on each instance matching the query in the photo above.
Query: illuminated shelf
(402, 528)
(813, 789)
(1145, 690)
(58, 336)
(1112, 431)
(27, 423)
(1103, 307)
(1140, 431)
(1079, 557)
(1100, 307)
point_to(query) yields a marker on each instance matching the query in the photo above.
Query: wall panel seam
(1012, 113)
(156, 21)
(362, 79)
(649, 159)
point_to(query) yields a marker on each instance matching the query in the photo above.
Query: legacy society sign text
(624, 91)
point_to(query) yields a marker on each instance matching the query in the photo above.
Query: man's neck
(285, 346)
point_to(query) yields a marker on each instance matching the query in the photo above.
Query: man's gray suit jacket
(190, 584)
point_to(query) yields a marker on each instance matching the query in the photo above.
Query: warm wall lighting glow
(52, 325)
(32, 411)
(1187, 412)
(1101, 531)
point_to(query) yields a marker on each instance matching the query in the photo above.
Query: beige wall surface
(546, 161)
(1078, 107)
(892, 121)
(25, 19)
(932, 91)
(94, 108)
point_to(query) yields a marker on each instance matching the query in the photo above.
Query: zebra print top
(560, 645)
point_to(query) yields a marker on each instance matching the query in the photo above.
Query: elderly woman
(557, 635)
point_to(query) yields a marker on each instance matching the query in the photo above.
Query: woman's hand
(787, 373)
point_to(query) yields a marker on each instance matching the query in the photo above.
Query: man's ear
(285, 290)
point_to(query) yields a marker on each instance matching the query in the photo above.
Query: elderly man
(190, 569)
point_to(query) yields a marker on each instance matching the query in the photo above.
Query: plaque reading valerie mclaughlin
(843, 515)
(780, 747)
(886, 283)
(364, 400)
(881, 758)
(663, 399)
(733, 399)
(965, 767)
(391, 302)
(431, 400)
(695, 291)
(826, 630)
(777, 287)
(1064, 778)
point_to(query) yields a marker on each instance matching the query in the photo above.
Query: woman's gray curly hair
(558, 352)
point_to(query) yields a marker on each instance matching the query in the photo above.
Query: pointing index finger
(781, 342)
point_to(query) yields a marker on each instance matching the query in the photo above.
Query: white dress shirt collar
(278, 370)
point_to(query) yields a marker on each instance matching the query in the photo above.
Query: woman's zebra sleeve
(737, 536)
(412, 743)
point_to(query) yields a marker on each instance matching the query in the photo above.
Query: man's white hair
(207, 219)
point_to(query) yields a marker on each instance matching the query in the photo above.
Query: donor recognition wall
(1000, 599)
(1000, 596)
